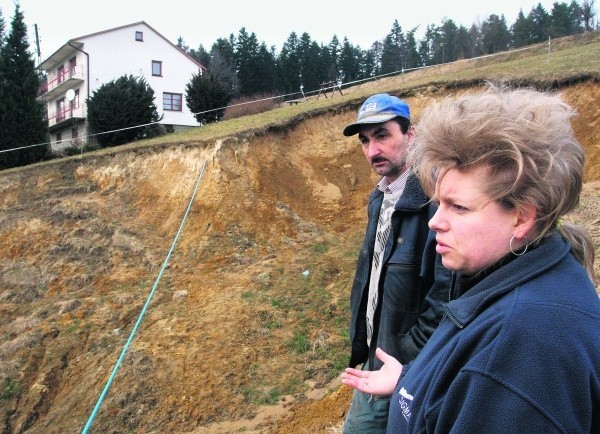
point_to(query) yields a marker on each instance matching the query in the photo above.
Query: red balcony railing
(57, 78)
(76, 111)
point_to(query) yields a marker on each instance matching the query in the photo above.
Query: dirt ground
(247, 327)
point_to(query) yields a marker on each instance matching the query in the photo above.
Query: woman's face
(472, 231)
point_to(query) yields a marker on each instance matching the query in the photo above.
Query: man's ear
(411, 133)
(526, 217)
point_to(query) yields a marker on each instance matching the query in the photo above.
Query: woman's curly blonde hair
(525, 137)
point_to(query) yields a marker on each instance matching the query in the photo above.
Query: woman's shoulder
(565, 287)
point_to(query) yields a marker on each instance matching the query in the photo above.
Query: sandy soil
(247, 328)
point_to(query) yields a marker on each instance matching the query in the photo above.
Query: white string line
(88, 136)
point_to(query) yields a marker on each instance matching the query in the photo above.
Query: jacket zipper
(446, 311)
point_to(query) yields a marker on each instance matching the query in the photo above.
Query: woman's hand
(380, 382)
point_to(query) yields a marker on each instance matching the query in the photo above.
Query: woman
(519, 346)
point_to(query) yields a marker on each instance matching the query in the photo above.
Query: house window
(75, 102)
(58, 137)
(172, 101)
(157, 68)
(72, 66)
(60, 109)
(61, 74)
(139, 36)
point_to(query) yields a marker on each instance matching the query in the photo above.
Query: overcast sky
(272, 21)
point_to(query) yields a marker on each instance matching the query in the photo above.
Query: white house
(83, 64)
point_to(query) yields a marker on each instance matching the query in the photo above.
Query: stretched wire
(402, 71)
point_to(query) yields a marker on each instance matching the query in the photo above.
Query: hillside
(247, 328)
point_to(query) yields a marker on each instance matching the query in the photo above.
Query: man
(400, 285)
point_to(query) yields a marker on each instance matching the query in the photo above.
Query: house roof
(75, 43)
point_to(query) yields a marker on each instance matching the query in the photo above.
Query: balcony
(59, 82)
(63, 118)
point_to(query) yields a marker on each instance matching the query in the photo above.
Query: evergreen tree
(476, 40)
(521, 31)
(350, 59)
(1, 29)
(333, 68)
(437, 51)
(309, 74)
(245, 55)
(254, 64)
(392, 58)
(370, 65)
(576, 18)
(289, 69)
(495, 34)
(374, 54)
(427, 45)
(464, 45)
(314, 70)
(448, 31)
(22, 117)
(201, 56)
(540, 24)
(182, 45)
(562, 23)
(265, 67)
(411, 53)
(207, 97)
(119, 105)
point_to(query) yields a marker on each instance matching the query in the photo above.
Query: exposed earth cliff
(247, 328)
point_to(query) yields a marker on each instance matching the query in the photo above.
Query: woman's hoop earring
(510, 246)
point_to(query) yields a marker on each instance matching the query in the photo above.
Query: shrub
(250, 105)
(206, 97)
(120, 105)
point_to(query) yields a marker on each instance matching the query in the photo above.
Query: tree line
(245, 66)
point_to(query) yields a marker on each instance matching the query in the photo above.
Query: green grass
(300, 343)
(320, 248)
(11, 389)
(269, 396)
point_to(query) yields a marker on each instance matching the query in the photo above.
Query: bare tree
(588, 8)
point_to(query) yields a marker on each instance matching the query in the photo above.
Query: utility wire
(139, 320)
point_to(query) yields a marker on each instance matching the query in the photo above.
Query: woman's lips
(441, 247)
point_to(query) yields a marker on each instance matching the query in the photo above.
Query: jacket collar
(413, 197)
(546, 255)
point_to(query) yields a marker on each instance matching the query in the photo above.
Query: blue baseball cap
(378, 109)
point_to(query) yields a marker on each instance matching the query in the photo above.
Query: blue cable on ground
(139, 320)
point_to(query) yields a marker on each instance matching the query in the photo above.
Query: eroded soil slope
(247, 327)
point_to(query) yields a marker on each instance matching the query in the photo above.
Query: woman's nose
(435, 221)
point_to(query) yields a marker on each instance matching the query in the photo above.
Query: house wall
(67, 139)
(117, 53)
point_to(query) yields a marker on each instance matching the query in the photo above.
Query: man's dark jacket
(413, 285)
